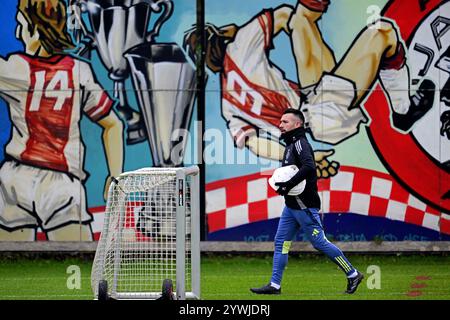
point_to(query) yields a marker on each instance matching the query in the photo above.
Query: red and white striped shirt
(255, 92)
(46, 97)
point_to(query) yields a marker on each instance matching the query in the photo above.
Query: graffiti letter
(438, 33)
(430, 55)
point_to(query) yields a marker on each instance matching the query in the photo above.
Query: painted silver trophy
(115, 27)
(165, 83)
(165, 86)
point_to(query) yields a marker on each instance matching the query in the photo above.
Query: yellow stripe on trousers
(343, 264)
(286, 247)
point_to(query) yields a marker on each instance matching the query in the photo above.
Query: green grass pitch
(396, 277)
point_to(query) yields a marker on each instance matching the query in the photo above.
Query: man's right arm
(306, 163)
(304, 160)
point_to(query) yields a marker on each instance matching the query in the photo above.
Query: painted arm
(229, 30)
(281, 16)
(113, 144)
(325, 168)
(3, 73)
(265, 148)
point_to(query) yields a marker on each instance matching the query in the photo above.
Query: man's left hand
(284, 188)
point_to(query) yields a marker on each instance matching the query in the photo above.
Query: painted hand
(325, 168)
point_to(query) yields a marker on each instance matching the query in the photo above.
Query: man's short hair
(295, 112)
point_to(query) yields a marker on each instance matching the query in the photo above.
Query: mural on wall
(46, 90)
(163, 79)
(83, 61)
(91, 88)
(378, 114)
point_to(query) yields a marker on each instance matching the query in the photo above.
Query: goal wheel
(167, 290)
(103, 290)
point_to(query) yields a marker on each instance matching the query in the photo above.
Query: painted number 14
(50, 90)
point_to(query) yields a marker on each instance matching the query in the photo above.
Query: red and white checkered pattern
(245, 199)
(237, 201)
(99, 215)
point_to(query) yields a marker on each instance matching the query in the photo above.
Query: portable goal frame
(151, 233)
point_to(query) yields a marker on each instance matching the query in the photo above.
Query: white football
(284, 174)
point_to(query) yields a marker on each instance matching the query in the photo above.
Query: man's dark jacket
(299, 152)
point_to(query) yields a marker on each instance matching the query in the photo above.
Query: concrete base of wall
(387, 247)
(355, 247)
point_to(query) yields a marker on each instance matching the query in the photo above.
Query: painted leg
(26, 234)
(367, 52)
(312, 55)
(380, 49)
(72, 232)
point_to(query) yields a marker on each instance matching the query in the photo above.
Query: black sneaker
(267, 289)
(354, 282)
(421, 103)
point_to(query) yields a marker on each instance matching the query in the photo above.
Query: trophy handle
(168, 9)
(85, 37)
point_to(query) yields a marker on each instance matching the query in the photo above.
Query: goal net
(150, 234)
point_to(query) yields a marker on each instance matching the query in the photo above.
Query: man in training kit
(303, 209)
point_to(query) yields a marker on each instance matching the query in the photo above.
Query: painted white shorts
(35, 197)
(327, 112)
